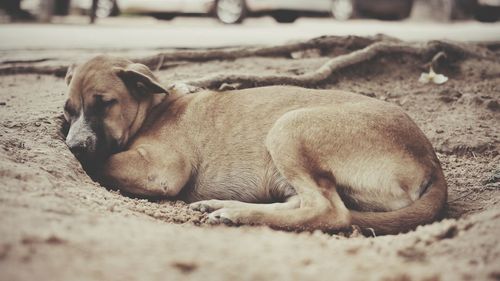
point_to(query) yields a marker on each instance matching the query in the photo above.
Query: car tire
(343, 9)
(406, 10)
(230, 11)
(163, 16)
(285, 16)
(487, 13)
(464, 9)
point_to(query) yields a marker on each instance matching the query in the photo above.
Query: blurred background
(237, 11)
(209, 23)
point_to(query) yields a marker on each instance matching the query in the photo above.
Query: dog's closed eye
(104, 102)
(108, 103)
(69, 109)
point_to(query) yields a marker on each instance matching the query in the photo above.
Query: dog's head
(108, 100)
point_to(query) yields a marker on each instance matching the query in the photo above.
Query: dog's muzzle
(81, 139)
(80, 148)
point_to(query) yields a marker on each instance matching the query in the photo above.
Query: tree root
(424, 51)
(167, 59)
(323, 43)
(359, 50)
(58, 70)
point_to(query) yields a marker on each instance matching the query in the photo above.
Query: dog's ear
(69, 73)
(139, 80)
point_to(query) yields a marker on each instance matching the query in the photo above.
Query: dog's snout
(81, 145)
(81, 139)
(78, 149)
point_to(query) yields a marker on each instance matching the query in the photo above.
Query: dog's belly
(245, 188)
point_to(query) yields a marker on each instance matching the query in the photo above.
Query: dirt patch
(57, 223)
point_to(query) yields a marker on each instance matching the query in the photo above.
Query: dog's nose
(78, 149)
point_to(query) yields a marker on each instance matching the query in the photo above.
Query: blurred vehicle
(60, 7)
(160, 9)
(12, 8)
(283, 11)
(105, 8)
(385, 9)
(483, 10)
(227, 11)
(235, 11)
(287, 11)
(448, 10)
(488, 10)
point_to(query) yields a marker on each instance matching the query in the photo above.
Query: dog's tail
(424, 210)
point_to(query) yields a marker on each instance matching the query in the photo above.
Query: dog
(286, 157)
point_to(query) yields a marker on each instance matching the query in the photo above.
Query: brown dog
(281, 156)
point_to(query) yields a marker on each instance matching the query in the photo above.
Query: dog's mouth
(92, 161)
(95, 153)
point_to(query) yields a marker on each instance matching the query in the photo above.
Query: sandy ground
(57, 224)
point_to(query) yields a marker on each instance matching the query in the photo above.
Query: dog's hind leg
(307, 210)
(214, 204)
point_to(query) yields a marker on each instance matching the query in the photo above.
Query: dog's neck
(142, 113)
(150, 109)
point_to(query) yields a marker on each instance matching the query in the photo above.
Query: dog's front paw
(206, 206)
(224, 216)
